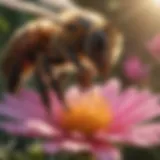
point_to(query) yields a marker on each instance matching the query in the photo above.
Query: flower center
(88, 114)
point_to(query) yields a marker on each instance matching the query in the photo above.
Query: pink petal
(29, 94)
(40, 108)
(55, 103)
(56, 108)
(32, 98)
(123, 125)
(145, 112)
(30, 128)
(111, 90)
(18, 113)
(136, 109)
(74, 93)
(130, 98)
(27, 104)
(144, 136)
(75, 146)
(42, 128)
(24, 104)
(66, 145)
(107, 154)
(130, 101)
(147, 135)
(51, 147)
(13, 113)
(124, 102)
(135, 69)
(124, 99)
(13, 128)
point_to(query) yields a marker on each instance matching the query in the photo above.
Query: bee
(82, 41)
(29, 51)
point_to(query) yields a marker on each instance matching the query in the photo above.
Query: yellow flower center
(88, 114)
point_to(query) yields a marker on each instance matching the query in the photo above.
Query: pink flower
(134, 69)
(95, 121)
(153, 46)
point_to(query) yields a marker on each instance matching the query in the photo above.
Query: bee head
(75, 31)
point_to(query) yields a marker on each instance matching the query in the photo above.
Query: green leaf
(4, 25)
(35, 152)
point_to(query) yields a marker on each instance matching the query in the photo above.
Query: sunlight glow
(157, 2)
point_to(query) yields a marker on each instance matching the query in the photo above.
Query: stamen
(87, 115)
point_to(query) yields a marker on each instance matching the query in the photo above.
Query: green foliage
(131, 153)
(4, 24)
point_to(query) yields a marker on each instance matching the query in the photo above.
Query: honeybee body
(31, 50)
(83, 41)
(27, 43)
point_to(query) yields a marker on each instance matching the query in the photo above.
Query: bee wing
(59, 5)
(118, 48)
(115, 43)
(38, 10)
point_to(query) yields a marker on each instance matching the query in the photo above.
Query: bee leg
(41, 81)
(56, 84)
(45, 80)
(83, 76)
(43, 90)
(15, 76)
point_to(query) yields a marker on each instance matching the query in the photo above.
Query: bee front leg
(42, 81)
(84, 77)
(55, 82)
(45, 80)
(15, 76)
(56, 85)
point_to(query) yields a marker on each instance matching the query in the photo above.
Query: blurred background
(139, 22)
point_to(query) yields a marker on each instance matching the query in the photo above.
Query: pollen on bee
(28, 70)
